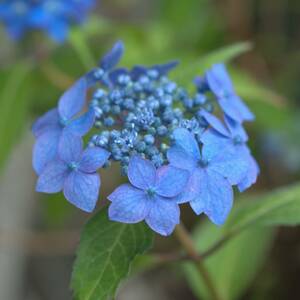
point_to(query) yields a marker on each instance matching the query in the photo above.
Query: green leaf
(105, 254)
(279, 207)
(234, 266)
(223, 55)
(14, 105)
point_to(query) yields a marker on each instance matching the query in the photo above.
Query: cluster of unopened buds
(168, 142)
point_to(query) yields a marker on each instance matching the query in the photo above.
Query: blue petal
(170, 181)
(72, 101)
(163, 216)
(92, 159)
(230, 163)
(218, 80)
(49, 121)
(58, 30)
(215, 197)
(187, 141)
(137, 72)
(178, 157)
(236, 109)
(70, 147)
(53, 177)
(129, 205)
(141, 172)
(83, 124)
(82, 190)
(164, 69)
(214, 143)
(215, 123)
(112, 58)
(45, 149)
(236, 129)
(251, 177)
(191, 190)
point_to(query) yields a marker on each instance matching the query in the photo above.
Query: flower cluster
(51, 16)
(169, 144)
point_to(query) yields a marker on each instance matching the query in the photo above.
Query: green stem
(187, 243)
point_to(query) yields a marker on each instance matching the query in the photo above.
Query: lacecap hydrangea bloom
(174, 146)
(52, 16)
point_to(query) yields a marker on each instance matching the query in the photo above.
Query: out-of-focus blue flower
(232, 138)
(48, 128)
(220, 84)
(209, 190)
(51, 16)
(74, 172)
(150, 196)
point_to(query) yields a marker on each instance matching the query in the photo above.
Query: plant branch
(187, 243)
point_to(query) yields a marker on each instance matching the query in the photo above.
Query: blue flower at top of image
(48, 128)
(74, 172)
(51, 16)
(234, 138)
(219, 82)
(150, 196)
(209, 189)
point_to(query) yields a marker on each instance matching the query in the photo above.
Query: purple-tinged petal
(53, 177)
(70, 147)
(112, 58)
(92, 159)
(141, 172)
(218, 80)
(137, 72)
(215, 197)
(215, 123)
(178, 157)
(129, 205)
(73, 100)
(163, 216)
(170, 181)
(82, 190)
(82, 125)
(45, 149)
(251, 177)
(115, 74)
(49, 121)
(230, 163)
(187, 141)
(236, 129)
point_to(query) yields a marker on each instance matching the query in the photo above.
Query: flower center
(237, 140)
(73, 166)
(203, 162)
(151, 192)
(63, 122)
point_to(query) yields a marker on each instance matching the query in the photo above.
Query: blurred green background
(260, 41)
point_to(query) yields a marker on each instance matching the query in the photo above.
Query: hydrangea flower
(51, 16)
(209, 190)
(220, 84)
(151, 196)
(48, 128)
(166, 140)
(74, 172)
(233, 138)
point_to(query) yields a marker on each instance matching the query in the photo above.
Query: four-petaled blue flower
(220, 84)
(151, 196)
(48, 128)
(209, 190)
(74, 172)
(51, 16)
(233, 138)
